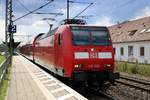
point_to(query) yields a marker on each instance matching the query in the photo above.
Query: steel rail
(134, 83)
(134, 80)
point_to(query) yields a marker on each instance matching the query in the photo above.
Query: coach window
(141, 51)
(59, 39)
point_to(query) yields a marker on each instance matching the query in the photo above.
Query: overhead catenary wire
(85, 16)
(33, 10)
(83, 10)
(79, 2)
(124, 4)
(128, 2)
(23, 5)
(62, 8)
(48, 13)
(56, 15)
(119, 6)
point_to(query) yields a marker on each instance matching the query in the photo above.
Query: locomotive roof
(43, 35)
(86, 25)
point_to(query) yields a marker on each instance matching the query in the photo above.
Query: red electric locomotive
(79, 52)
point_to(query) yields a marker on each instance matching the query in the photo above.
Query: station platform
(29, 82)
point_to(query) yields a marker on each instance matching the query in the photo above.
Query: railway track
(93, 93)
(105, 94)
(135, 83)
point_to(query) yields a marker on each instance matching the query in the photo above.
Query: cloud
(2, 9)
(39, 24)
(104, 21)
(2, 29)
(22, 29)
(31, 30)
(2, 22)
(143, 13)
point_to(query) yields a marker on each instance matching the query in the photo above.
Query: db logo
(93, 55)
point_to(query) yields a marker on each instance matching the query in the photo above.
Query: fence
(3, 67)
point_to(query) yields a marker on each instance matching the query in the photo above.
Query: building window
(143, 30)
(131, 33)
(121, 51)
(141, 51)
(114, 50)
(119, 33)
(148, 30)
(130, 50)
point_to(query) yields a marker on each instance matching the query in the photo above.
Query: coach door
(58, 54)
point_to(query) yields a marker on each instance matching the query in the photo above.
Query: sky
(101, 12)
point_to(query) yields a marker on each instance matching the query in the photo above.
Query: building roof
(131, 31)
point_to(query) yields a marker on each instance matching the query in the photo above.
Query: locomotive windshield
(90, 36)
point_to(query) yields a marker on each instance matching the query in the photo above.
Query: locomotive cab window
(90, 36)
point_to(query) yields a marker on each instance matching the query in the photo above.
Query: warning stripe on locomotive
(87, 55)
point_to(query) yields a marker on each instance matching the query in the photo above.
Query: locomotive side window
(43, 36)
(59, 39)
(90, 36)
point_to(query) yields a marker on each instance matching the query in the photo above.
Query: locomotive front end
(93, 54)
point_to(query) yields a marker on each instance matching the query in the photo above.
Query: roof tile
(126, 27)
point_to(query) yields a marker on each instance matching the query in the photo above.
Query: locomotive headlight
(107, 65)
(78, 66)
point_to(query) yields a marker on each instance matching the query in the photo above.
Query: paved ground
(28, 82)
(22, 86)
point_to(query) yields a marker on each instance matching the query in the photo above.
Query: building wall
(136, 52)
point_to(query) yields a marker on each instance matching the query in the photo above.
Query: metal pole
(6, 22)
(9, 22)
(67, 10)
(11, 34)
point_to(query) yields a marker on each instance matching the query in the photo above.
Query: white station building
(131, 40)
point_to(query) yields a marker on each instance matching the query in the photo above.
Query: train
(75, 51)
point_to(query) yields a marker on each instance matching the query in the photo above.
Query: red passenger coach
(78, 52)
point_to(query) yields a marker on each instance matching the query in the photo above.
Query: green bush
(125, 67)
(5, 84)
(1, 58)
(133, 68)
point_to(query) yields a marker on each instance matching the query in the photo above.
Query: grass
(1, 58)
(4, 85)
(133, 68)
